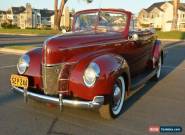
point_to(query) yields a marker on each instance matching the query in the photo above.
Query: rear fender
(157, 52)
(156, 49)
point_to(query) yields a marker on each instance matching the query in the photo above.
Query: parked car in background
(97, 65)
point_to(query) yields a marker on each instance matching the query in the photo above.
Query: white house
(35, 18)
(27, 17)
(160, 16)
(2, 17)
(13, 15)
(46, 17)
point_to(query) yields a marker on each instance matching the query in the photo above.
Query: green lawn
(171, 35)
(29, 31)
(161, 35)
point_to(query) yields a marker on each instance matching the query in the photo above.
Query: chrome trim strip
(95, 103)
(57, 64)
(93, 45)
(63, 79)
(45, 52)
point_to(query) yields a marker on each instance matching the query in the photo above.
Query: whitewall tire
(159, 68)
(115, 106)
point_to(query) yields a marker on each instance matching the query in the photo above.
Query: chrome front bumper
(95, 103)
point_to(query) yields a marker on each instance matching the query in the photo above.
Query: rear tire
(114, 108)
(159, 67)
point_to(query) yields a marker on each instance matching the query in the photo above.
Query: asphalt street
(159, 103)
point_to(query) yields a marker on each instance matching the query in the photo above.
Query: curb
(172, 40)
(13, 51)
(26, 34)
(166, 45)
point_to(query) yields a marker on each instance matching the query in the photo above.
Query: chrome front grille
(50, 76)
(56, 78)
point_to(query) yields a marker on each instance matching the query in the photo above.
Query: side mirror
(134, 37)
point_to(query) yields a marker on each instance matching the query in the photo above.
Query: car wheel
(159, 67)
(114, 108)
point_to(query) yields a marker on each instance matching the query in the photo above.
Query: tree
(59, 12)
(175, 14)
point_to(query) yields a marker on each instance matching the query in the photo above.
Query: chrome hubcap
(118, 96)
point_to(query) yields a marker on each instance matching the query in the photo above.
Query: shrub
(158, 29)
(9, 26)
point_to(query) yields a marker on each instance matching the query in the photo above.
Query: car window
(86, 21)
(112, 21)
(133, 24)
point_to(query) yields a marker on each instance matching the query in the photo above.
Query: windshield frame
(98, 11)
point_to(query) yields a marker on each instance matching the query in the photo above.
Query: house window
(145, 16)
(182, 25)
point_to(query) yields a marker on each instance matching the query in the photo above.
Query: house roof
(155, 5)
(2, 12)
(46, 13)
(16, 10)
(159, 4)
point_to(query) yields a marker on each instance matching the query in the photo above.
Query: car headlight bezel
(91, 74)
(23, 64)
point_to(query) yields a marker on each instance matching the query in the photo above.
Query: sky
(132, 5)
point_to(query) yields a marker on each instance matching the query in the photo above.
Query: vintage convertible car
(97, 65)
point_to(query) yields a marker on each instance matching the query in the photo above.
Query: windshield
(102, 21)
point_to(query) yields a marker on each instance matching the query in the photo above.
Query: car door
(143, 49)
(137, 49)
(133, 52)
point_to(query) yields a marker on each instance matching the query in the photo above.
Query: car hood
(74, 39)
(57, 45)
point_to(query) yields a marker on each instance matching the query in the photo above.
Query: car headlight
(23, 64)
(91, 74)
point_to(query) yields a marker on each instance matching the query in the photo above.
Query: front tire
(114, 108)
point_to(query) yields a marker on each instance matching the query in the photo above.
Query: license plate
(19, 81)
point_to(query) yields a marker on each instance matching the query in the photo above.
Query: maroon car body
(56, 71)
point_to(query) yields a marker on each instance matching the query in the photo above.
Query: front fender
(34, 70)
(111, 66)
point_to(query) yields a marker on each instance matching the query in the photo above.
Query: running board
(140, 80)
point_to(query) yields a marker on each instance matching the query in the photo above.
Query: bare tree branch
(59, 12)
